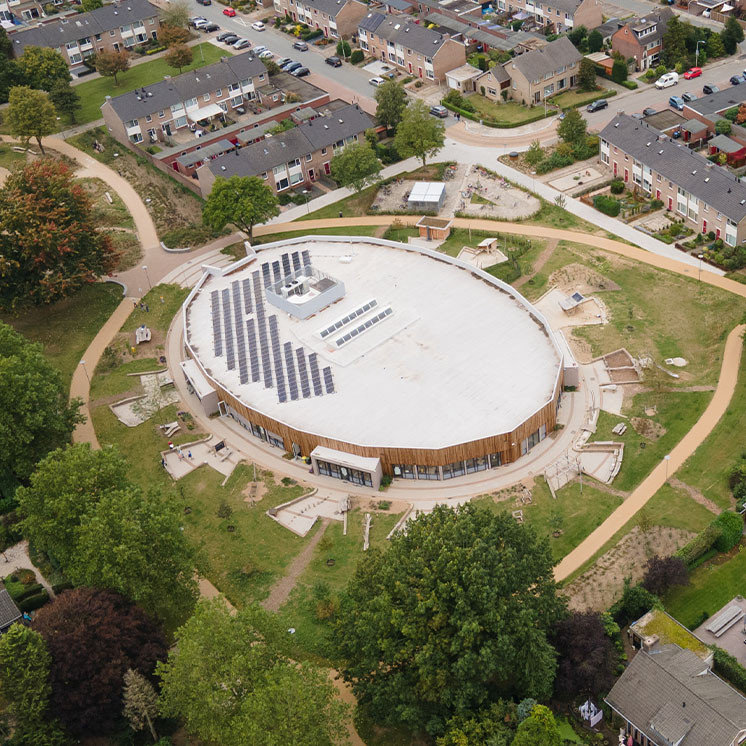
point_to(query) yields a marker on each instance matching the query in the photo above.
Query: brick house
(560, 15)
(336, 18)
(295, 157)
(415, 50)
(642, 38)
(705, 196)
(536, 75)
(158, 111)
(112, 27)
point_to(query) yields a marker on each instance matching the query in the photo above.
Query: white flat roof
(457, 359)
(201, 385)
(343, 458)
(426, 191)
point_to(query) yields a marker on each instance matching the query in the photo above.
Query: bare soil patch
(254, 492)
(648, 428)
(696, 495)
(623, 375)
(618, 359)
(579, 278)
(597, 588)
(581, 349)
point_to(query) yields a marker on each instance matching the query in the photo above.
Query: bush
(703, 542)
(556, 160)
(731, 530)
(34, 602)
(188, 236)
(607, 205)
(27, 592)
(7, 504)
(631, 84)
(656, 204)
(635, 601)
(65, 585)
(357, 56)
(729, 668)
(617, 186)
(663, 573)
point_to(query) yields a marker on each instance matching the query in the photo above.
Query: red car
(695, 72)
(230, 12)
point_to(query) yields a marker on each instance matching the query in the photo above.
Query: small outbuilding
(734, 151)
(434, 229)
(9, 613)
(427, 196)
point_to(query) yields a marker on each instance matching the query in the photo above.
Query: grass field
(577, 97)
(66, 328)
(9, 157)
(508, 112)
(93, 92)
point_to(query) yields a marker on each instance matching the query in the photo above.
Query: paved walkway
(17, 558)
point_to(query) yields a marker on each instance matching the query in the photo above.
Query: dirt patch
(618, 359)
(395, 506)
(582, 279)
(623, 375)
(541, 260)
(581, 349)
(254, 492)
(597, 588)
(697, 496)
(649, 429)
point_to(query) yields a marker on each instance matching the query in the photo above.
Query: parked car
(602, 103)
(667, 80)
(230, 38)
(376, 81)
(692, 72)
(241, 44)
(258, 26)
(258, 50)
(637, 116)
(709, 89)
(291, 66)
(439, 111)
(266, 55)
(199, 25)
(230, 12)
(301, 46)
(210, 27)
(283, 61)
(224, 35)
(333, 61)
(737, 79)
(301, 72)
(677, 102)
(649, 111)
(196, 19)
(689, 96)
(204, 2)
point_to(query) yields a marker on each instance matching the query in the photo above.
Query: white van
(667, 80)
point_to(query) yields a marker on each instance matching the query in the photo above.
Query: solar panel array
(372, 321)
(250, 340)
(347, 319)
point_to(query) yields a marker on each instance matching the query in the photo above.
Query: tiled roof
(673, 697)
(538, 62)
(72, 28)
(724, 144)
(8, 610)
(398, 4)
(402, 30)
(330, 7)
(673, 160)
(165, 93)
(693, 125)
(720, 101)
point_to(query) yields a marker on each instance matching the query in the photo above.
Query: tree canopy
(35, 415)
(595, 41)
(94, 636)
(586, 75)
(65, 99)
(241, 200)
(230, 686)
(49, 245)
(42, 67)
(172, 35)
(573, 128)
(731, 35)
(452, 616)
(110, 63)
(391, 101)
(539, 728)
(356, 166)
(674, 41)
(175, 14)
(179, 56)
(418, 133)
(662, 573)
(30, 114)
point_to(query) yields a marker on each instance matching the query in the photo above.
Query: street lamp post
(308, 209)
(696, 52)
(147, 276)
(667, 458)
(699, 274)
(85, 370)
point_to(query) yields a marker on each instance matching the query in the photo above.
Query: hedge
(607, 205)
(597, 97)
(731, 530)
(729, 668)
(27, 592)
(496, 125)
(34, 602)
(631, 84)
(462, 112)
(357, 56)
(65, 585)
(701, 543)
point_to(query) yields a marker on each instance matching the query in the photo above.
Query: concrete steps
(190, 271)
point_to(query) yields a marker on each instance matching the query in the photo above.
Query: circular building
(373, 357)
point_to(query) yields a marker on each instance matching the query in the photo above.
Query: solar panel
(328, 380)
(265, 275)
(339, 323)
(372, 321)
(230, 355)
(286, 264)
(243, 370)
(290, 368)
(253, 351)
(276, 270)
(246, 284)
(304, 387)
(217, 337)
(296, 261)
(315, 377)
(277, 358)
(264, 347)
(306, 258)
(258, 297)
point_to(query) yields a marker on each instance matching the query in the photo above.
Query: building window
(206, 97)
(476, 464)
(323, 151)
(309, 156)
(161, 114)
(431, 473)
(456, 469)
(404, 471)
(148, 118)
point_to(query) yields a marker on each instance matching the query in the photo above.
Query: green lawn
(508, 112)
(577, 97)
(66, 328)
(9, 157)
(93, 92)
(163, 301)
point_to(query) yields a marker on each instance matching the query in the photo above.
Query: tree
(595, 41)
(89, 5)
(179, 56)
(619, 71)
(356, 166)
(241, 200)
(140, 702)
(454, 615)
(418, 133)
(674, 41)
(42, 67)
(587, 75)
(731, 35)
(715, 46)
(173, 35)
(487, 727)
(662, 573)
(231, 686)
(175, 14)
(65, 99)
(30, 114)
(94, 636)
(391, 100)
(24, 685)
(110, 63)
(49, 245)
(6, 45)
(539, 728)
(343, 48)
(635, 602)
(722, 127)
(534, 154)
(573, 128)
(35, 416)
(577, 35)
(587, 657)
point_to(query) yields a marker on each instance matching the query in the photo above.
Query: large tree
(356, 166)
(715, 46)
(391, 99)
(241, 200)
(104, 531)
(419, 134)
(595, 41)
(587, 75)
(94, 636)
(587, 656)
(65, 99)
(30, 114)
(230, 686)
(35, 415)
(662, 573)
(731, 35)
(176, 14)
(539, 729)
(110, 63)
(49, 245)
(42, 67)
(452, 616)
(674, 42)
(173, 35)
(573, 128)
(25, 689)
(179, 56)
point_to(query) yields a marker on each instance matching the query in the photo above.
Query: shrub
(635, 601)
(357, 56)
(700, 544)
(27, 592)
(617, 186)
(34, 602)
(65, 585)
(631, 84)
(7, 504)
(663, 573)
(607, 205)
(731, 530)
(556, 160)
(729, 668)
(656, 204)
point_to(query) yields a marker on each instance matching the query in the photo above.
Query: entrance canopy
(350, 460)
(211, 110)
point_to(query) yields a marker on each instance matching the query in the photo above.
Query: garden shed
(734, 151)
(9, 613)
(427, 196)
